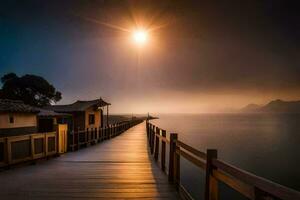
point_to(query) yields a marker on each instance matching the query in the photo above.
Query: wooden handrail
(48, 142)
(246, 183)
(234, 183)
(192, 159)
(268, 186)
(10, 145)
(192, 150)
(99, 134)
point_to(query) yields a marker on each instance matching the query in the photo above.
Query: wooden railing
(251, 186)
(16, 149)
(84, 138)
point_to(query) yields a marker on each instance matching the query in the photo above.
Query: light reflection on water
(265, 144)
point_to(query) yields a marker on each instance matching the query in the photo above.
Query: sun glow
(140, 37)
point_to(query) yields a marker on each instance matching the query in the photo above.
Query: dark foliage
(32, 90)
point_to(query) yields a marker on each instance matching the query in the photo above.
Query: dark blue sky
(208, 56)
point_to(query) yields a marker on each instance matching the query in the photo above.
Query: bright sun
(140, 36)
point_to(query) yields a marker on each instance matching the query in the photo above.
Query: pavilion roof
(7, 105)
(78, 106)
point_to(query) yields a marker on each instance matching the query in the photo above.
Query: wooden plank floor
(120, 168)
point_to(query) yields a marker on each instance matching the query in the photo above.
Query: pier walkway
(119, 168)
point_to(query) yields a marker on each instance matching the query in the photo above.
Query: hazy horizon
(204, 58)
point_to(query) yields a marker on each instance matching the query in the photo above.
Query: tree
(31, 89)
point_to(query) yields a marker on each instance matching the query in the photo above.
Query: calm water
(265, 144)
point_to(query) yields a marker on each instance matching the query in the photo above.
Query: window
(91, 119)
(11, 119)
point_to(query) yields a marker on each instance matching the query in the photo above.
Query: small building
(29, 133)
(85, 114)
(17, 118)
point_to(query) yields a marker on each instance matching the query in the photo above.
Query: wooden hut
(17, 118)
(29, 133)
(85, 114)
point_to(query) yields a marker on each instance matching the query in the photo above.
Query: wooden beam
(192, 159)
(211, 184)
(192, 150)
(156, 150)
(173, 138)
(235, 184)
(163, 151)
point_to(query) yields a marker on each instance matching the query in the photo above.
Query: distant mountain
(280, 106)
(251, 108)
(276, 106)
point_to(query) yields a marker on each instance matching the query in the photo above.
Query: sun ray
(107, 24)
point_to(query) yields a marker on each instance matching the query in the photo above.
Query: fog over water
(264, 144)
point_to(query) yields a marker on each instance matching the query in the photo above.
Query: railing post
(73, 139)
(147, 129)
(211, 184)
(163, 151)
(150, 136)
(152, 139)
(156, 144)
(107, 132)
(177, 167)
(173, 138)
(101, 134)
(117, 129)
(96, 136)
(150, 132)
(86, 135)
(110, 131)
(114, 128)
(91, 133)
(78, 137)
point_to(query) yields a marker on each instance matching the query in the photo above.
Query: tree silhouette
(31, 89)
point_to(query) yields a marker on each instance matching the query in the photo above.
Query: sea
(267, 145)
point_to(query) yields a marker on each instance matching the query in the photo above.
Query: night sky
(201, 56)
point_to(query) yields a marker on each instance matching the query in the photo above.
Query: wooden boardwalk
(120, 168)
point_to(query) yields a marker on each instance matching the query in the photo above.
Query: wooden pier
(141, 163)
(119, 168)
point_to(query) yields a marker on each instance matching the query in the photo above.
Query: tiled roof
(51, 113)
(78, 106)
(7, 105)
